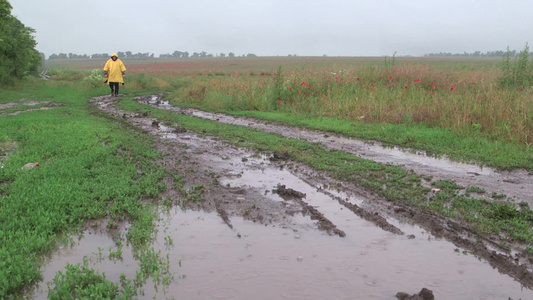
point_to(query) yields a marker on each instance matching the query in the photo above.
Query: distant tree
(203, 54)
(251, 55)
(121, 54)
(128, 53)
(231, 54)
(185, 54)
(18, 55)
(100, 55)
(222, 55)
(195, 54)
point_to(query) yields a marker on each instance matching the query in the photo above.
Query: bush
(95, 79)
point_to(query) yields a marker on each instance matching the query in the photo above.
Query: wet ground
(25, 105)
(276, 230)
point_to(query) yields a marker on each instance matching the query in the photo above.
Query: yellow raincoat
(114, 69)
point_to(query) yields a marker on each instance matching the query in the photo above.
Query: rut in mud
(288, 234)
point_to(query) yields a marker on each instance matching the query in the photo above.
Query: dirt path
(516, 184)
(237, 182)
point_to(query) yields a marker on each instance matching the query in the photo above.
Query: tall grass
(468, 101)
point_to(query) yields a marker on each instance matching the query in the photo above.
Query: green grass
(89, 168)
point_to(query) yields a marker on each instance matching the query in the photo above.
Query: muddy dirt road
(274, 229)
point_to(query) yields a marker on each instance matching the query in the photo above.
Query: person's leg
(112, 85)
(116, 88)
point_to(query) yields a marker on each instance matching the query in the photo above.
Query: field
(220, 178)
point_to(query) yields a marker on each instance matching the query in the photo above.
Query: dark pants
(114, 87)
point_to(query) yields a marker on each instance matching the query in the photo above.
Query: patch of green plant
(195, 193)
(498, 196)
(95, 78)
(116, 254)
(81, 282)
(151, 264)
(475, 189)
(447, 185)
(90, 167)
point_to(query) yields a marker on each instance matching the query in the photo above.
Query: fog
(277, 27)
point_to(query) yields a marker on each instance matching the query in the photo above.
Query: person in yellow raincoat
(114, 72)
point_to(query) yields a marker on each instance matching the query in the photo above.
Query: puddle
(278, 263)
(212, 261)
(516, 184)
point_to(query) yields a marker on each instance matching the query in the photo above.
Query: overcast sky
(277, 27)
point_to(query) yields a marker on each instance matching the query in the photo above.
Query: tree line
(18, 56)
(498, 53)
(129, 54)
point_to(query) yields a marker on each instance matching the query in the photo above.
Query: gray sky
(277, 27)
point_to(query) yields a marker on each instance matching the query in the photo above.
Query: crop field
(287, 177)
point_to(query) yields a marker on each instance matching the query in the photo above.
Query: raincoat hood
(114, 54)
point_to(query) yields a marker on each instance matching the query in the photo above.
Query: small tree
(18, 56)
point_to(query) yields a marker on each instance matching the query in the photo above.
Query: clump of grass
(81, 282)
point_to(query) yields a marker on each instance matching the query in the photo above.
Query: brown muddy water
(254, 261)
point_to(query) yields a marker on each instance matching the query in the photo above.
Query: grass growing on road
(393, 183)
(89, 168)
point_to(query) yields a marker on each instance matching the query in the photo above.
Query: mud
(267, 226)
(23, 104)
(516, 184)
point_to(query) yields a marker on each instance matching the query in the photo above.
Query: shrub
(95, 79)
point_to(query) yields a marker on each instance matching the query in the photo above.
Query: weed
(196, 193)
(498, 196)
(117, 254)
(169, 241)
(448, 185)
(81, 282)
(95, 78)
(152, 265)
(475, 189)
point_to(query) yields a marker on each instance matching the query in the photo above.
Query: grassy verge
(435, 141)
(89, 168)
(393, 183)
